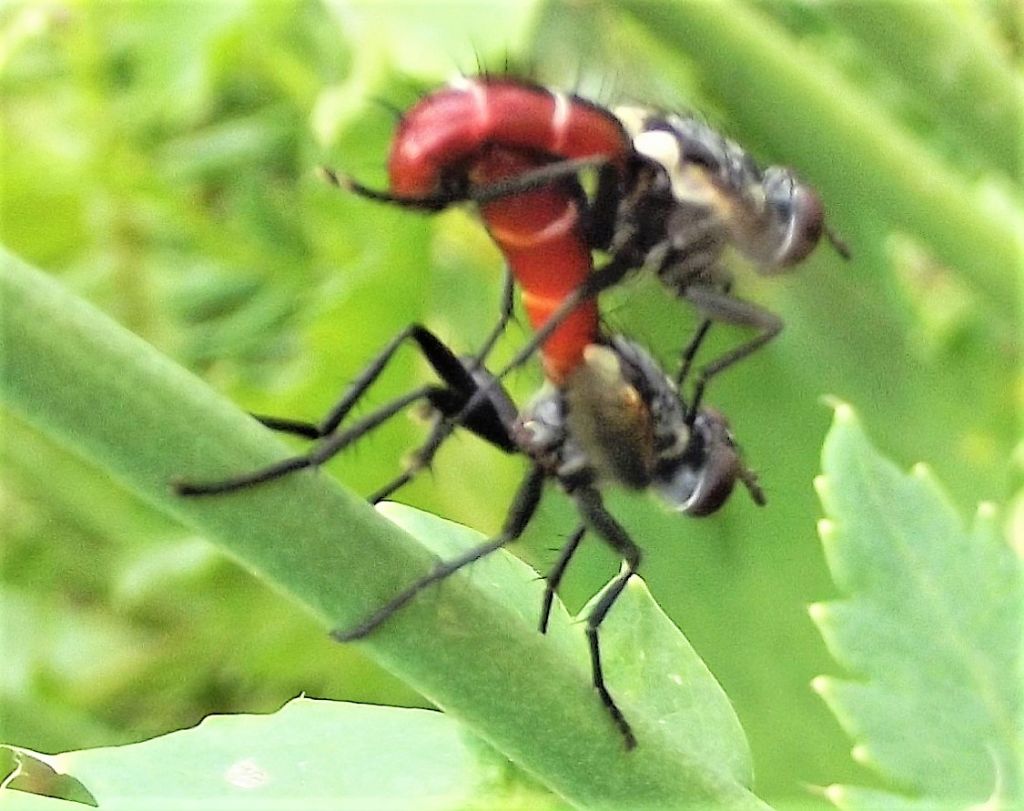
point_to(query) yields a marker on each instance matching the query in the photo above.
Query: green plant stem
(863, 163)
(108, 395)
(950, 60)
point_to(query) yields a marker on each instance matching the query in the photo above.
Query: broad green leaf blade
(647, 660)
(309, 754)
(931, 627)
(654, 673)
(504, 576)
(109, 396)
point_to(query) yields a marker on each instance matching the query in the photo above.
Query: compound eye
(702, 484)
(806, 225)
(716, 482)
(702, 490)
(800, 214)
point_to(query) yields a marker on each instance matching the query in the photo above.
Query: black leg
(689, 352)
(440, 357)
(602, 213)
(504, 316)
(331, 446)
(599, 280)
(284, 425)
(534, 179)
(524, 182)
(523, 508)
(554, 578)
(475, 394)
(449, 368)
(435, 203)
(441, 430)
(598, 519)
(721, 307)
(437, 354)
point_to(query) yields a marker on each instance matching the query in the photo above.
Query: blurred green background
(159, 158)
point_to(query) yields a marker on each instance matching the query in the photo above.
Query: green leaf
(309, 754)
(931, 627)
(648, 663)
(105, 393)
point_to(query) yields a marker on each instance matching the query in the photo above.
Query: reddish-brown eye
(705, 476)
(798, 213)
(806, 225)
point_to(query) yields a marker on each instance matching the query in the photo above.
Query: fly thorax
(609, 419)
(694, 186)
(669, 429)
(723, 198)
(540, 428)
(671, 434)
(542, 432)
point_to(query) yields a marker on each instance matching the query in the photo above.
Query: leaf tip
(835, 794)
(821, 486)
(844, 413)
(818, 612)
(861, 755)
(987, 510)
(822, 686)
(922, 472)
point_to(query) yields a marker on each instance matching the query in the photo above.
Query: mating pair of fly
(671, 196)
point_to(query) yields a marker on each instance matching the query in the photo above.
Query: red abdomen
(446, 130)
(540, 236)
(480, 131)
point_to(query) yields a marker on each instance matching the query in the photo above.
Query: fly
(673, 195)
(616, 419)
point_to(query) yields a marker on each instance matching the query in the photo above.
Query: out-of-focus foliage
(159, 159)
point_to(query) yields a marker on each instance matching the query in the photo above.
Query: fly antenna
(388, 106)
(328, 175)
(838, 244)
(750, 481)
(481, 69)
